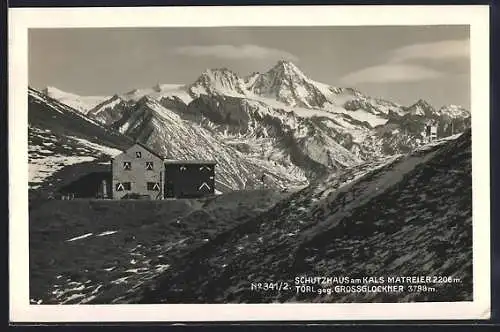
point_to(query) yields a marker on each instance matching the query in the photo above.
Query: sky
(397, 63)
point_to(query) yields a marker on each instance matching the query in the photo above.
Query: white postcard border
(21, 19)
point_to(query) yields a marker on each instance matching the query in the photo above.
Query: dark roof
(174, 161)
(191, 161)
(150, 150)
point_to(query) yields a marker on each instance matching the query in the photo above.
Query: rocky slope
(60, 136)
(165, 131)
(408, 215)
(147, 121)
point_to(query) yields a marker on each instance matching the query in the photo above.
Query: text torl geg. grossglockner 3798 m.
(325, 285)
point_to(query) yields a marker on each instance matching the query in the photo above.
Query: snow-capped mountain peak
(454, 111)
(421, 108)
(423, 103)
(287, 70)
(288, 84)
(217, 81)
(82, 104)
(223, 76)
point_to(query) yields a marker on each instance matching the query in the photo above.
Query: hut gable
(138, 170)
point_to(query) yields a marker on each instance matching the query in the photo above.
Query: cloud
(247, 51)
(390, 73)
(442, 50)
(399, 66)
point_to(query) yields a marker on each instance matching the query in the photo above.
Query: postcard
(286, 163)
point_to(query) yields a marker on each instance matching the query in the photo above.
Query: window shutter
(153, 186)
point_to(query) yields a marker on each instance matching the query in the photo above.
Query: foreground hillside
(409, 215)
(402, 216)
(96, 251)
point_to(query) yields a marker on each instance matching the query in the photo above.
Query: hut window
(127, 165)
(153, 186)
(149, 165)
(138, 154)
(123, 186)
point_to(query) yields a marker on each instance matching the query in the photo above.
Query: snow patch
(107, 233)
(104, 149)
(80, 237)
(371, 118)
(42, 168)
(80, 103)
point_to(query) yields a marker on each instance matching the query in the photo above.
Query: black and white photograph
(253, 164)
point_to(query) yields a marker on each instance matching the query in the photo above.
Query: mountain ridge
(279, 118)
(287, 70)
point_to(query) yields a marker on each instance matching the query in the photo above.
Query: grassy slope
(409, 216)
(150, 236)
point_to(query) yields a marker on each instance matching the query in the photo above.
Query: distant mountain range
(279, 123)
